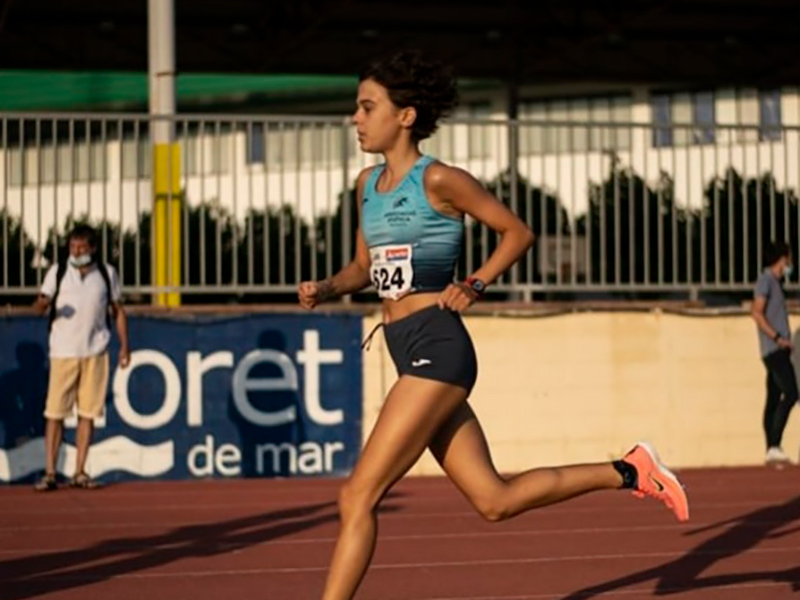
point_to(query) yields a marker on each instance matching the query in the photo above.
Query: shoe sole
(663, 470)
(45, 490)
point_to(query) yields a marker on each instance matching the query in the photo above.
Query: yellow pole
(167, 221)
(167, 200)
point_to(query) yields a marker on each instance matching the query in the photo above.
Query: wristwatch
(476, 285)
(776, 337)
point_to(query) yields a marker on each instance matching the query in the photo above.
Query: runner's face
(379, 123)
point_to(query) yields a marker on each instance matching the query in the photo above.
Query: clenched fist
(457, 297)
(314, 293)
(308, 293)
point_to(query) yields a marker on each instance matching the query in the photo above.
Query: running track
(271, 539)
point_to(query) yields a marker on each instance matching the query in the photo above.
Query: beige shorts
(84, 380)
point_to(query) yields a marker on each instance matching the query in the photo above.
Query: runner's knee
(494, 507)
(356, 499)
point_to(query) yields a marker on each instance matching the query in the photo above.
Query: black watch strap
(476, 285)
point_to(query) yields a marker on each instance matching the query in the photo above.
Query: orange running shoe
(656, 480)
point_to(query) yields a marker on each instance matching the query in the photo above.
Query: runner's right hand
(308, 294)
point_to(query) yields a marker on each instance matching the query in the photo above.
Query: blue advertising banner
(245, 396)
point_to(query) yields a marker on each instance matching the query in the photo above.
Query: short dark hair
(84, 232)
(776, 251)
(414, 81)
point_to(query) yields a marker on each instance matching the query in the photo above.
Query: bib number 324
(391, 270)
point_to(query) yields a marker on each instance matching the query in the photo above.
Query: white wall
(586, 386)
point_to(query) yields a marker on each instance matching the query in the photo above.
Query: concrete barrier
(582, 387)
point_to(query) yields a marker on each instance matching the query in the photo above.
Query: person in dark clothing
(774, 337)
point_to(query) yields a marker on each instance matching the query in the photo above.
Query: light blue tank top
(404, 216)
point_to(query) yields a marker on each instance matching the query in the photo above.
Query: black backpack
(60, 272)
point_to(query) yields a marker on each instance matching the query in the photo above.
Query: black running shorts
(433, 344)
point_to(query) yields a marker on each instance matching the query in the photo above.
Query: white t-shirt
(80, 329)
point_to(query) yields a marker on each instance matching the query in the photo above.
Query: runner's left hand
(457, 297)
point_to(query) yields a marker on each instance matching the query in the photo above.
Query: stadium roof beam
(556, 41)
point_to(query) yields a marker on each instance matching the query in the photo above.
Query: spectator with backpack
(82, 296)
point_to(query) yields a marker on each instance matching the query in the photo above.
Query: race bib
(391, 270)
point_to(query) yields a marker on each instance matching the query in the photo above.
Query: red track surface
(272, 539)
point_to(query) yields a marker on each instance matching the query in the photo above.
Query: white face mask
(787, 271)
(80, 261)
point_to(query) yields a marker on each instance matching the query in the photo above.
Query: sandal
(84, 482)
(47, 483)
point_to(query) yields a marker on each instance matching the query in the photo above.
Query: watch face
(478, 286)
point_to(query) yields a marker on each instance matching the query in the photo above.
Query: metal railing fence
(268, 201)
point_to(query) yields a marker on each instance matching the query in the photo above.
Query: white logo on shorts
(421, 362)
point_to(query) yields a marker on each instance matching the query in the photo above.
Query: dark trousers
(781, 395)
